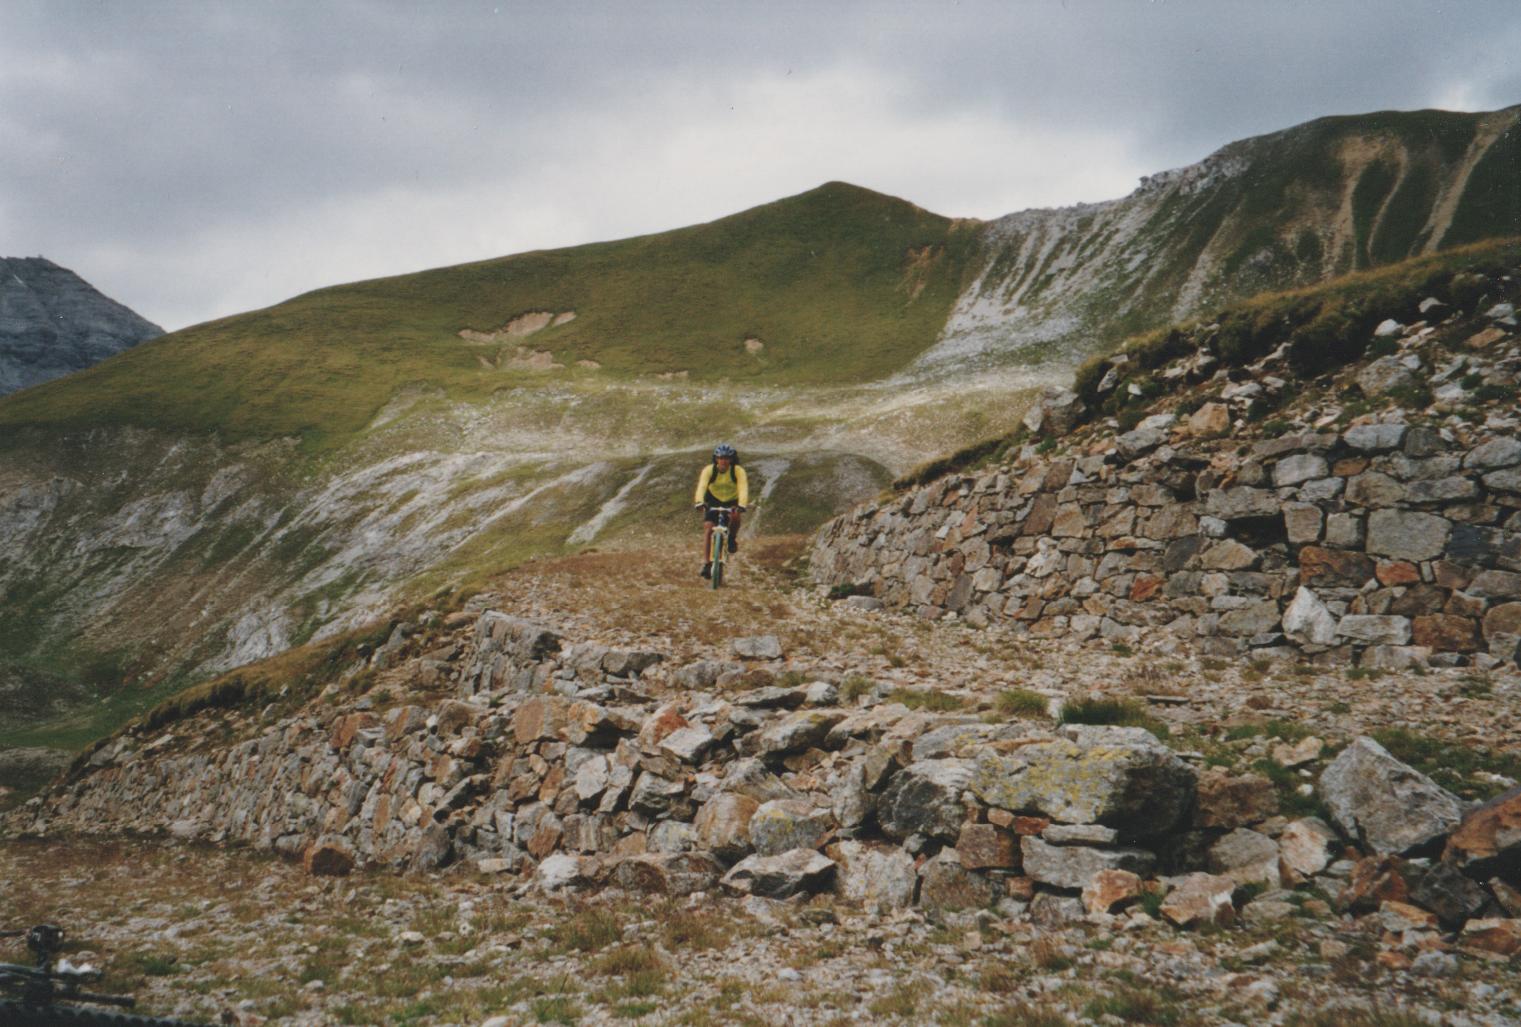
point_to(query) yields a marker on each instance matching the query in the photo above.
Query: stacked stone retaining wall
(1384, 543)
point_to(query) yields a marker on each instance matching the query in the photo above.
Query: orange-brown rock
(983, 846)
(1108, 888)
(1445, 633)
(1500, 936)
(1488, 835)
(1374, 880)
(1396, 572)
(1321, 566)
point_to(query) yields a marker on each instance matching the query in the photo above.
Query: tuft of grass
(588, 929)
(926, 699)
(1115, 712)
(854, 687)
(1021, 702)
(1132, 1004)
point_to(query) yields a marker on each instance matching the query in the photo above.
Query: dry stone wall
(1385, 543)
(576, 765)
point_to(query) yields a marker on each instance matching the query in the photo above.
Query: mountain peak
(53, 322)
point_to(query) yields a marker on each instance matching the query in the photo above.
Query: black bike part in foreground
(40, 992)
(19, 1014)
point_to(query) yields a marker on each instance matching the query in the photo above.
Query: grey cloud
(152, 137)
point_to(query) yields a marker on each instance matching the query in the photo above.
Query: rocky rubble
(1390, 541)
(579, 766)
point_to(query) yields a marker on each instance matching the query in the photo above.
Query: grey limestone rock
(1389, 806)
(1072, 866)
(780, 876)
(1407, 535)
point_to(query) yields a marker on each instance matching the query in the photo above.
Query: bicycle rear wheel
(19, 1014)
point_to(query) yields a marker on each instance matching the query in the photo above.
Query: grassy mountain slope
(839, 284)
(252, 484)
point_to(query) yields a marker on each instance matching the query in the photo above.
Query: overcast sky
(198, 159)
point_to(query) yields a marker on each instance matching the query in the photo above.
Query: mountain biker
(722, 483)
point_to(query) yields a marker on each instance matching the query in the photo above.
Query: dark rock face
(52, 323)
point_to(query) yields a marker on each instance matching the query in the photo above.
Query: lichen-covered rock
(946, 884)
(1123, 778)
(925, 798)
(1385, 804)
(877, 876)
(784, 824)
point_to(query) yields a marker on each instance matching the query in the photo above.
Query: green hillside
(839, 284)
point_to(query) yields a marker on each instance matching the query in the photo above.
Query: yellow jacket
(726, 488)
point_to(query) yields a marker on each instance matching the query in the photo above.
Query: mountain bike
(42, 995)
(718, 548)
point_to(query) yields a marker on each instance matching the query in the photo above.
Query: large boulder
(1388, 806)
(1120, 777)
(925, 798)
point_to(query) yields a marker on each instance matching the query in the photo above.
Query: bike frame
(719, 547)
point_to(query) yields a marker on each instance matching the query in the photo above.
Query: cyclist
(722, 483)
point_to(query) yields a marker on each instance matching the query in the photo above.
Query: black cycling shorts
(710, 502)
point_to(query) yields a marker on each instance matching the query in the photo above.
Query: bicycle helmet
(723, 449)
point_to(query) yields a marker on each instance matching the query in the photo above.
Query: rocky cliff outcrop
(52, 323)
